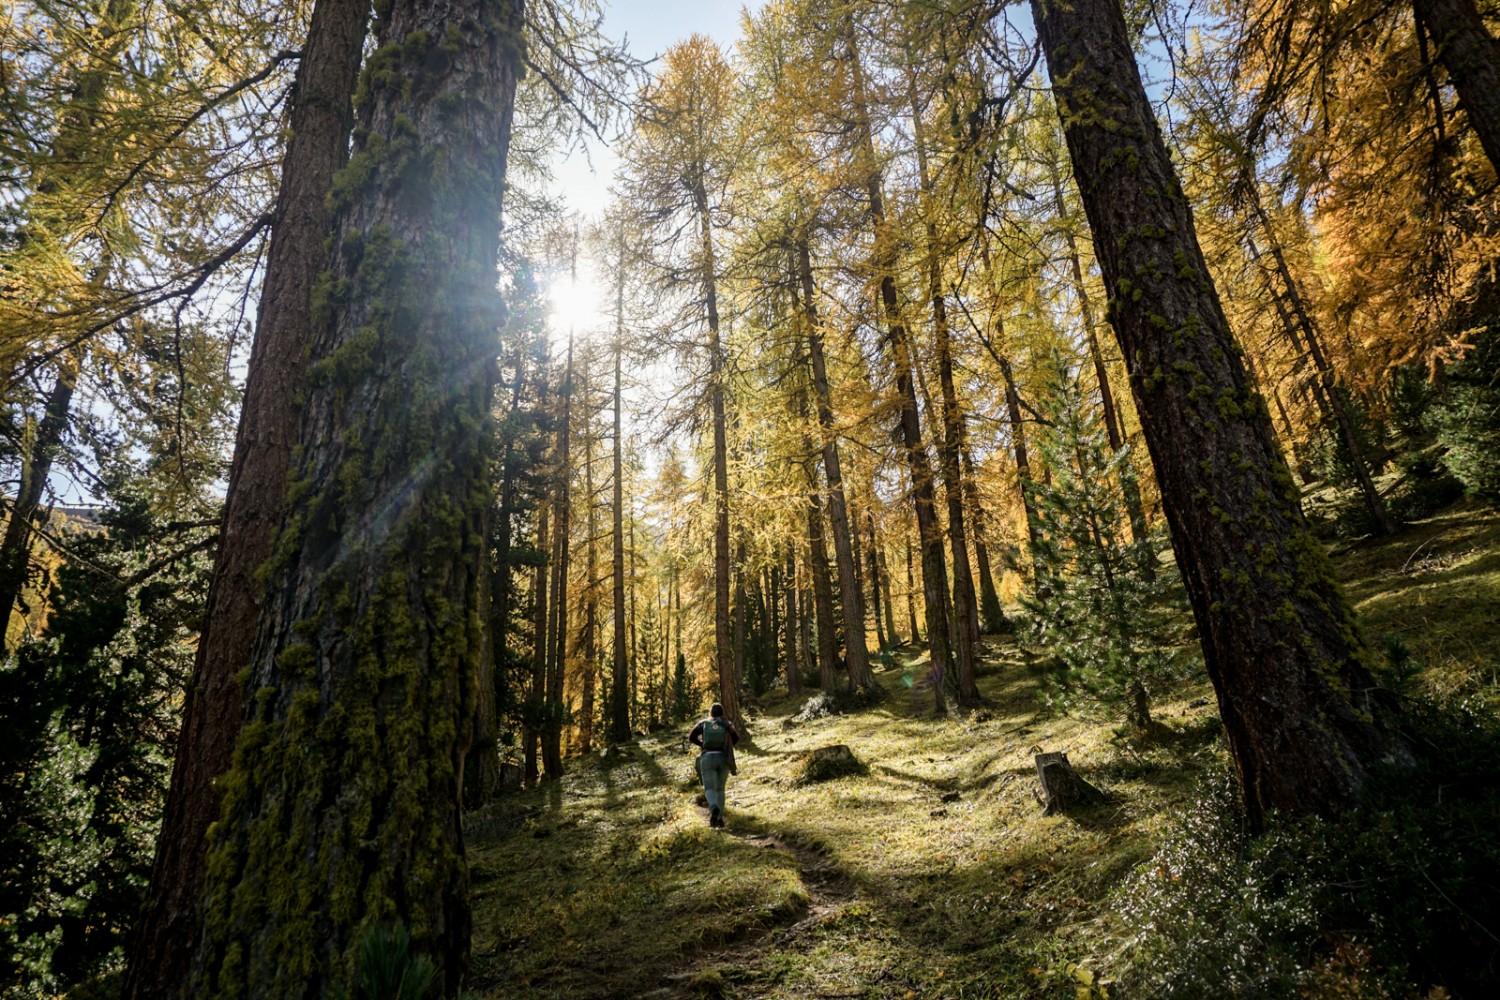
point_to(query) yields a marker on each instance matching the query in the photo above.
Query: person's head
(717, 711)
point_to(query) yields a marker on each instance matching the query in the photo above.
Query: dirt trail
(828, 892)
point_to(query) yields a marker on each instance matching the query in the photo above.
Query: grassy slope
(951, 882)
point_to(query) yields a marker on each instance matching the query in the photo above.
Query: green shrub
(1467, 417)
(1394, 897)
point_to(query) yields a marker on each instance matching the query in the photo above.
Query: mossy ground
(949, 880)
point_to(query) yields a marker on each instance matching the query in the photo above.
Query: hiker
(716, 737)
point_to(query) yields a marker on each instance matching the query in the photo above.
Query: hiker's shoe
(714, 819)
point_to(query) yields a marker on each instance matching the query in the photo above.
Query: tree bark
(1472, 58)
(1304, 721)
(342, 809)
(321, 118)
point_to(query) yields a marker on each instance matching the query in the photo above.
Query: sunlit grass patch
(932, 873)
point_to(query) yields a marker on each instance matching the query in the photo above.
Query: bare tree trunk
(342, 806)
(213, 708)
(1304, 721)
(1128, 486)
(817, 564)
(873, 562)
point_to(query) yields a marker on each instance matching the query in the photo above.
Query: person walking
(716, 737)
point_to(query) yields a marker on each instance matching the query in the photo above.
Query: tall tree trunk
(1472, 58)
(619, 721)
(817, 564)
(858, 656)
(934, 564)
(213, 709)
(1300, 709)
(36, 467)
(729, 695)
(562, 551)
(342, 808)
(590, 637)
(951, 442)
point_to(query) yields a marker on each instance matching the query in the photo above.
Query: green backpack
(715, 735)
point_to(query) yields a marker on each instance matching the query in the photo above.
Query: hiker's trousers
(713, 768)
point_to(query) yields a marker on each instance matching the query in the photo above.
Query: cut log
(1061, 787)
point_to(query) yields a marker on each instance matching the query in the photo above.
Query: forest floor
(935, 873)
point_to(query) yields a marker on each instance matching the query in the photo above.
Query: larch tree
(1305, 720)
(680, 162)
(341, 811)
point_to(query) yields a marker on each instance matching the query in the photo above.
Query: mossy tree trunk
(321, 117)
(1300, 709)
(342, 809)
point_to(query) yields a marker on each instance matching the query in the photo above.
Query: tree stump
(830, 762)
(1062, 788)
